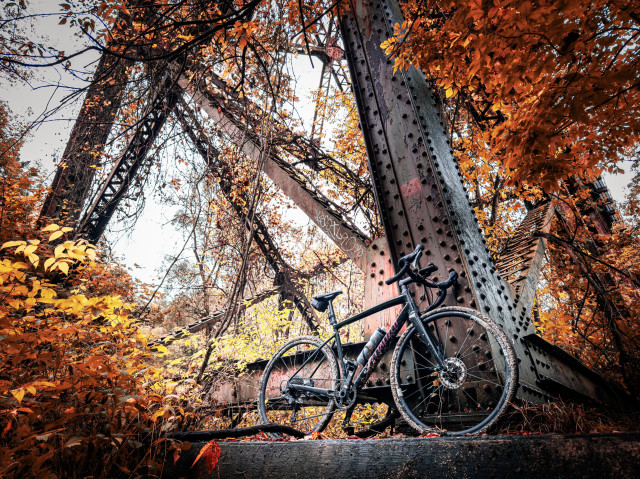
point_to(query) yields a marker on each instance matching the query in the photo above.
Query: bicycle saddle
(321, 301)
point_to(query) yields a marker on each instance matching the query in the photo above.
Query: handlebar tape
(401, 273)
(405, 263)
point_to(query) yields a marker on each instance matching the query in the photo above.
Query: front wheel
(303, 361)
(473, 386)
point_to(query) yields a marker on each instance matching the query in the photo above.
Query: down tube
(383, 347)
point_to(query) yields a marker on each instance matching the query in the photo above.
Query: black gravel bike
(453, 369)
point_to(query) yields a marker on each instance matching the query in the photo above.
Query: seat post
(332, 315)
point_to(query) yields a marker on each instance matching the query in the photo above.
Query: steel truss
(221, 171)
(416, 182)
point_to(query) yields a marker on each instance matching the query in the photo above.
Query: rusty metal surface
(379, 267)
(330, 220)
(420, 194)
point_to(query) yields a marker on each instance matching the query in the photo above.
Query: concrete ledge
(540, 456)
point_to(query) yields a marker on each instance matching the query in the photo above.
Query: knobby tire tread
(511, 381)
(324, 420)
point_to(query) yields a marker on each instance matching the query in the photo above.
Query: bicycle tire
(276, 407)
(475, 388)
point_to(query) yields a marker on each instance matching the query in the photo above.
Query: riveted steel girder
(421, 198)
(124, 171)
(74, 176)
(348, 238)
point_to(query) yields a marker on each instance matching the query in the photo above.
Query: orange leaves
(66, 360)
(211, 453)
(560, 75)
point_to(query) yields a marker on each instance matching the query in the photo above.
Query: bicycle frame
(409, 310)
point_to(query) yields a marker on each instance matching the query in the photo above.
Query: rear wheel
(475, 384)
(304, 361)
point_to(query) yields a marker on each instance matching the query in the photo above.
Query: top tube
(398, 300)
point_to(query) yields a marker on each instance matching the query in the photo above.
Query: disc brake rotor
(453, 373)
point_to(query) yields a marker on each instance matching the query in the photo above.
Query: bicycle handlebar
(400, 274)
(411, 260)
(405, 263)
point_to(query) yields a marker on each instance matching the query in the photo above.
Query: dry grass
(561, 417)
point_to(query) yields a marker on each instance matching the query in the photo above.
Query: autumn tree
(534, 95)
(553, 87)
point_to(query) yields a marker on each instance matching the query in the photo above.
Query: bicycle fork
(424, 333)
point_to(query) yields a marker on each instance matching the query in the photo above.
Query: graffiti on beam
(350, 245)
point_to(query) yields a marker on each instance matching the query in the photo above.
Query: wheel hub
(293, 395)
(453, 373)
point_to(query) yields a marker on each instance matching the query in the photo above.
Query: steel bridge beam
(521, 259)
(330, 220)
(211, 319)
(421, 197)
(123, 173)
(85, 146)
(289, 289)
(247, 116)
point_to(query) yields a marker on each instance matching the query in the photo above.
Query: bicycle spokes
(301, 363)
(464, 392)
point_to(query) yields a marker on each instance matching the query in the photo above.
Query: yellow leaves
(11, 244)
(162, 350)
(48, 263)
(64, 267)
(35, 260)
(18, 394)
(389, 44)
(59, 251)
(159, 413)
(65, 253)
(54, 236)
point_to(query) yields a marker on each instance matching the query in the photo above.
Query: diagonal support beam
(124, 171)
(247, 116)
(349, 239)
(85, 146)
(211, 319)
(289, 290)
